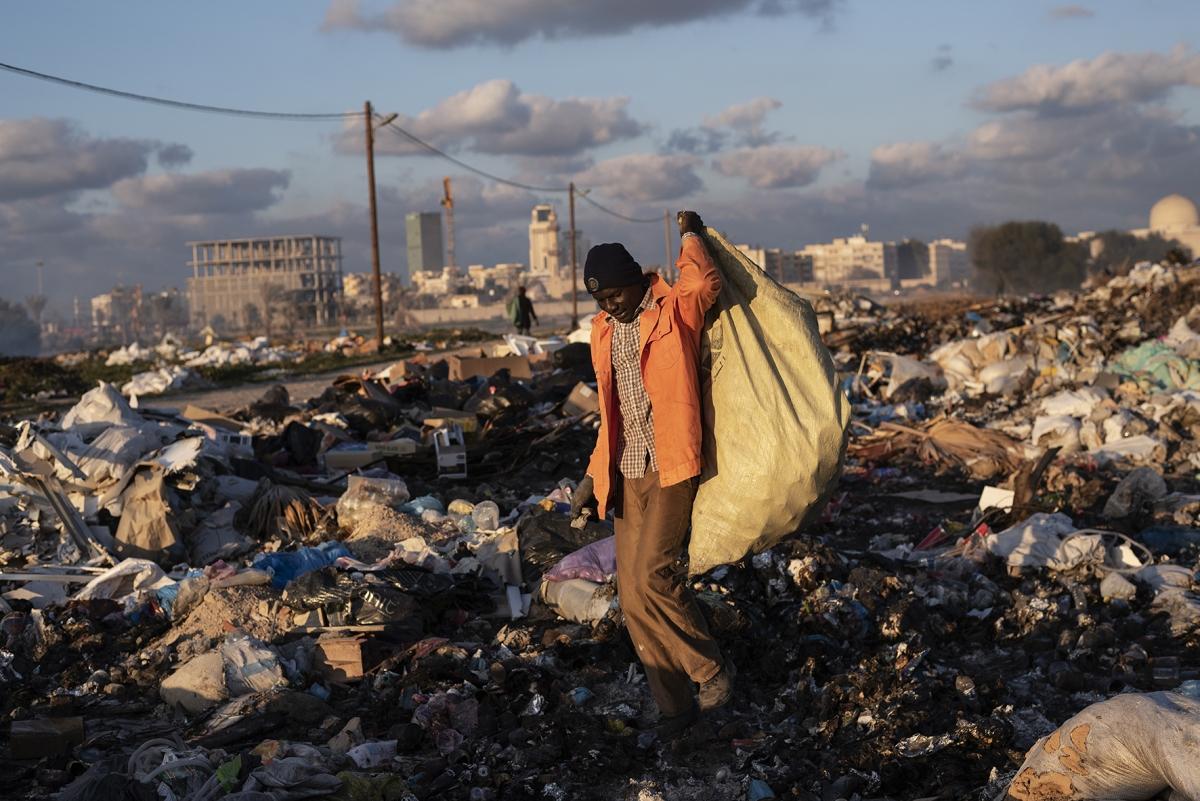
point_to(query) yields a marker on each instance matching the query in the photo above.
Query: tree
(251, 317)
(1179, 256)
(1119, 250)
(1023, 257)
(270, 295)
(19, 335)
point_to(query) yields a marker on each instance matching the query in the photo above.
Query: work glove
(689, 223)
(584, 494)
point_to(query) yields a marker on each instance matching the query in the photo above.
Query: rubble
(295, 599)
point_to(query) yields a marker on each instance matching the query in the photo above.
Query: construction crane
(448, 204)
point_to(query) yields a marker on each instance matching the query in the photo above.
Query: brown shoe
(671, 728)
(716, 692)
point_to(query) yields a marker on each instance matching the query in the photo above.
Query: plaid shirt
(635, 439)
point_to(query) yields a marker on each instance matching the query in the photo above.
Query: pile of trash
(378, 593)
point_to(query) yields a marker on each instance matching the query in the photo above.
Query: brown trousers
(666, 626)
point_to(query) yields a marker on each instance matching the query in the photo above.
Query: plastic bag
(775, 417)
(363, 493)
(285, 566)
(596, 562)
(1132, 746)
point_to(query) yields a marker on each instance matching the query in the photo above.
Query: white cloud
(215, 192)
(746, 116)
(741, 123)
(40, 157)
(497, 117)
(644, 176)
(457, 23)
(908, 163)
(1088, 83)
(777, 166)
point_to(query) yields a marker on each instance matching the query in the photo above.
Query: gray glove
(584, 494)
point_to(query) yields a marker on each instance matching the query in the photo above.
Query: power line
(417, 140)
(582, 193)
(618, 214)
(162, 101)
(281, 115)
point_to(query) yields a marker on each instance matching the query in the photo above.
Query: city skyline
(1082, 118)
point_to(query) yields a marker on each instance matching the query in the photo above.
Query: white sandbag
(1131, 747)
(775, 417)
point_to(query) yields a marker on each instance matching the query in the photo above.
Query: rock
(1116, 586)
(198, 685)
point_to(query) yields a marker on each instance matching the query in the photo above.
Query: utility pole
(667, 239)
(448, 204)
(376, 277)
(41, 286)
(574, 263)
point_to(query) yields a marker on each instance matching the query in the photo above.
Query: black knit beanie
(609, 266)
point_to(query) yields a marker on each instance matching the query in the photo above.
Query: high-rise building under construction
(235, 280)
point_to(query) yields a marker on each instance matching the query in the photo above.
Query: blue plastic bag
(285, 566)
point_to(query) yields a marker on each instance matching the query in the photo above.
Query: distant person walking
(521, 312)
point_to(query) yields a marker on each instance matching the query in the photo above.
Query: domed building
(1175, 217)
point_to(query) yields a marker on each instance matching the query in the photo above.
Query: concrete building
(113, 312)
(426, 250)
(502, 276)
(948, 262)
(232, 276)
(854, 262)
(360, 287)
(438, 283)
(785, 266)
(1175, 217)
(546, 254)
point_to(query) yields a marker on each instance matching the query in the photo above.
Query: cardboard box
(342, 459)
(200, 415)
(440, 418)
(464, 367)
(344, 659)
(33, 739)
(582, 400)
(395, 447)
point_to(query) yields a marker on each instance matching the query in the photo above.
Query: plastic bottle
(487, 516)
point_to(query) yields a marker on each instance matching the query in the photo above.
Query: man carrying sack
(645, 468)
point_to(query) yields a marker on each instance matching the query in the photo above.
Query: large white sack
(775, 418)
(1130, 747)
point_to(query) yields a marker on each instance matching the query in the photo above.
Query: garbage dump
(379, 593)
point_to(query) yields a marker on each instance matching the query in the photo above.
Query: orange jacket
(670, 336)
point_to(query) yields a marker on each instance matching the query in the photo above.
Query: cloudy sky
(782, 121)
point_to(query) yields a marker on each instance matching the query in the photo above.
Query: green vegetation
(1034, 257)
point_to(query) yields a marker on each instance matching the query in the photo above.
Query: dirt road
(227, 399)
